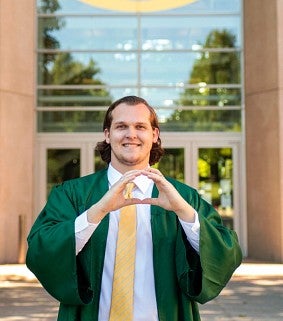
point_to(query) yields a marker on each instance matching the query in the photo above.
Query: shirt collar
(142, 182)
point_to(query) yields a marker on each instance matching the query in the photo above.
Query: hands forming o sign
(168, 197)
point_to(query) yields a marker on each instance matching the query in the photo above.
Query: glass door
(172, 163)
(212, 165)
(215, 180)
(62, 164)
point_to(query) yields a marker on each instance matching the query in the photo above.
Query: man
(183, 253)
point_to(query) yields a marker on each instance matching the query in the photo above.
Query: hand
(114, 198)
(168, 198)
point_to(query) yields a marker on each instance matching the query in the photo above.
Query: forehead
(131, 113)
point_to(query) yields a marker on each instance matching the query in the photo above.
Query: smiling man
(131, 137)
(176, 254)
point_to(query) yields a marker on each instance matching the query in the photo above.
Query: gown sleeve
(202, 276)
(51, 254)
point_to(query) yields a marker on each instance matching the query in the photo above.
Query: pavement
(254, 293)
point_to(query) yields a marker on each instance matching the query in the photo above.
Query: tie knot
(128, 190)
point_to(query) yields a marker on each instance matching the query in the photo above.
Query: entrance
(210, 163)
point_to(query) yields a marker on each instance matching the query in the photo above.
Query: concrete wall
(17, 63)
(280, 81)
(263, 84)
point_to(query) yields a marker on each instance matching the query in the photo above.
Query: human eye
(120, 126)
(141, 126)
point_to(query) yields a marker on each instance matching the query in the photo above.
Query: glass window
(87, 33)
(87, 68)
(215, 168)
(77, 6)
(191, 32)
(170, 120)
(98, 162)
(62, 165)
(73, 97)
(70, 121)
(201, 95)
(185, 61)
(178, 68)
(200, 120)
(172, 163)
(100, 96)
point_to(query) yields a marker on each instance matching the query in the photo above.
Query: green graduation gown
(183, 278)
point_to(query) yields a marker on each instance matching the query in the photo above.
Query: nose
(131, 132)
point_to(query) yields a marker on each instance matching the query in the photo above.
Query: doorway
(212, 164)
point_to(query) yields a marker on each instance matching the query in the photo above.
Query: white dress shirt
(145, 307)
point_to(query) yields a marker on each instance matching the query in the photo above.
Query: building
(213, 69)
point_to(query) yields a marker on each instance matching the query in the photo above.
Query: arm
(201, 276)
(51, 252)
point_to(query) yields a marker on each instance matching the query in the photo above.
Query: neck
(123, 168)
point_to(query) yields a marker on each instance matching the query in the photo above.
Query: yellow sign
(138, 5)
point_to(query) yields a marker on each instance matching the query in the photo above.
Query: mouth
(131, 145)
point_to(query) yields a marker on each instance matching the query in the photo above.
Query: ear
(155, 135)
(107, 135)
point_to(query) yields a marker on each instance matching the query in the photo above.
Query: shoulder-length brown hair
(105, 149)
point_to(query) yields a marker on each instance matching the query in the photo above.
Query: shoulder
(82, 191)
(82, 184)
(87, 179)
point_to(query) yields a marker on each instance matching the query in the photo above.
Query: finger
(150, 201)
(157, 177)
(154, 171)
(130, 176)
(133, 201)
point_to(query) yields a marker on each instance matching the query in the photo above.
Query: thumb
(151, 201)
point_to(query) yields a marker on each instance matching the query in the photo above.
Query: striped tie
(123, 280)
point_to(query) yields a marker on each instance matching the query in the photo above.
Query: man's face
(131, 137)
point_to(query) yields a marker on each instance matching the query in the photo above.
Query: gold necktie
(123, 280)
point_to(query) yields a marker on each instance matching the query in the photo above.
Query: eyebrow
(124, 122)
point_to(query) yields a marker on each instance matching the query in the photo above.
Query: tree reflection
(212, 68)
(61, 71)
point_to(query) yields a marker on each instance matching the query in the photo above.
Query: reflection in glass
(157, 68)
(166, 68)
(85, 33)
(62, 165)
(200, 6)
(209, 6)
(70, 121)
(204, 95)
(166, 98)
(157, 33)
(87, 68)
(194, 95)
(215, 168)
(201, 120)
(182, 63)
(179, 33)
(170, 120)
(98, 162)
(72, 97)
(173, 163)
